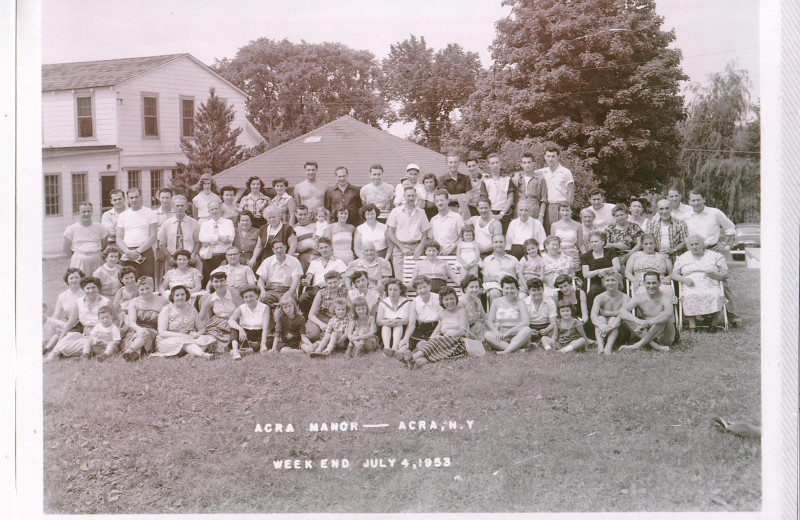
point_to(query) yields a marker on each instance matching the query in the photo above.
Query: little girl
(290, 328)
(108, 273)
(568, 334)
(336, 331)
(532, 264)
(361, 330)
(361, 289)
(393, 315)
(467, 252)
(323, 220)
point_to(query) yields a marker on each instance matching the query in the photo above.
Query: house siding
(59, 118)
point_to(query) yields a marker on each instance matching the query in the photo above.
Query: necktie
(179, 237)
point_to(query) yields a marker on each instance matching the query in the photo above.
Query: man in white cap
(411, 179)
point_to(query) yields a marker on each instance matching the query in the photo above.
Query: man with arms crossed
(656, 327)
(606, 315)
(560, 183)
(408, 228)
(310, 192)
(446, 226)
(137, 228)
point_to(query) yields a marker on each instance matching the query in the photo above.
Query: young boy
(105, 336)
(542, 311)
(317, 269)
(238, 275)
(522, 228)
(605, 314)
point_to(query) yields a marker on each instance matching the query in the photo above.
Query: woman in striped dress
(446, 342)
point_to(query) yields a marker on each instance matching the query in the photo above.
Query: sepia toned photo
(418, 258)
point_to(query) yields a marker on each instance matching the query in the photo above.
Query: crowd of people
(322, 270)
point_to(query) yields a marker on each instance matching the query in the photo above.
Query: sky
(709, 32)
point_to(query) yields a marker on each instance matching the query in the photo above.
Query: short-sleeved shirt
(101, 334)
(376, 236)
(461, 184)
(427, 312)
(381, 195)
(290, 328)
(498, 191)
(86, 239)
(628, 236)
(557, 182)
(254, 203)
(533, 187)
(136, 225)
(87, 312)
(237, 276)
(305, 236)
(542, 313)
(603, 216)
(269, 236)
(682, 211)
(317, 268)
(350, 198)
(447, 230)
(494, 268)
(708, 224)
(200, 203)
(409, 227)
(281, 273)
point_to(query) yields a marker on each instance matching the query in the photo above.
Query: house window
(79, 190)
(85, 116)
(135, 179)
(150, 104)
(52, 194)
(156, 179)
(187, 117)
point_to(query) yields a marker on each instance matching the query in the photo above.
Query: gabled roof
(344, 142)
(86, 74)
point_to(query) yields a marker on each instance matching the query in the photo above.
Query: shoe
(102, 357)
(126, 356)
(133, 356)
(388, 352)
(85, 356)
(736, 323)
(235, 355)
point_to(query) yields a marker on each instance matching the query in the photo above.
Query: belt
(412, 242)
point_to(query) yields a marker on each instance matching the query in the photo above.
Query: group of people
(323, 269)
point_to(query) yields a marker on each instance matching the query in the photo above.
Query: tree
(294, 88)
(429, 86)
(596, 74)
(214, 147)
(722, 145)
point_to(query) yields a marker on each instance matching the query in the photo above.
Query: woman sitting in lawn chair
(700, 271)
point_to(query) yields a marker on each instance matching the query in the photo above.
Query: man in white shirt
(497, 265)
(560, 183)
(408, 227)
(500, 192)
(315, 275)
(717, 230)
(378, 192)
(237, 274)
(277, 275)
(216, 236)
(85, 240)
(109, 218)
(180, 232)
(678, 209)
(447, 225)
(523, 228)
(137, 229)
(412, 174)
(603, 216)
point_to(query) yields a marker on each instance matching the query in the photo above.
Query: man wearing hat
(412, 176)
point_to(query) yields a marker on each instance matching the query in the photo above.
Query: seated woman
(246, 238)
(376, 267)
(393, 316)
(648, 259)
(594, 263)
(372, 232)
(182, 274)
(322, 308)
(249, 324)
(73, 339)
(570, 233)
(587, 226)
(217, 308)
(108, 273)
(340, 233)
(624, 237)
(555, 263)
(423, 315)
(180, 329)
(64, 304)
(126, 293)
(446, 342)
(141, 325)
(508, 326)
(437, 271)
(359, 281)
(700, 270)
(476, 315)
(566, 291)
(541, 310)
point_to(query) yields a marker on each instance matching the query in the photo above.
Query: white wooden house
(119, 123)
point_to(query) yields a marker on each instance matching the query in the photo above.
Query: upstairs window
(150, 104)
(187, 117)
(85, 116)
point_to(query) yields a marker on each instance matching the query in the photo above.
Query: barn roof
(342, 142)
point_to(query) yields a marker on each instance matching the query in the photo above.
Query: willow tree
(721, 152)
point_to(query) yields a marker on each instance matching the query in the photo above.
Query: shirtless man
(606, 315)
(310, 192)
(656, 326)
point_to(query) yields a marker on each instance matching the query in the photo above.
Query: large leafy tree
(214, 146)
(429, 86)
(722, 145)
(293, 88)
(592, 75)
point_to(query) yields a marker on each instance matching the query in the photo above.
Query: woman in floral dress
(700, 271)
(476, 316)
(648, 259)
(180, 328)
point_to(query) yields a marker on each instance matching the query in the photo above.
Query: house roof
(342, 142)
(86, 74)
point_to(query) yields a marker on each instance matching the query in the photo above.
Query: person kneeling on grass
(656, 326)
(508, 326)
(250, 322)
(290, 328)
(361, 330)
(606, 315)
(569, 334)
(335, 332)
(446, 342)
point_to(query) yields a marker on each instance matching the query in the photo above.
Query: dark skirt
(422, 331)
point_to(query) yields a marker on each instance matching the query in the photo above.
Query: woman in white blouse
(372, 231)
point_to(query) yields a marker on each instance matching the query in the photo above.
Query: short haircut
(105, 309)
(550, 146)
(333, 275)
(71, 270)
(249, 288)
(370, 207)
(565, 206)
(651, 273)
(181, 197)
(618, 208)
(177, 288)
(564, 304)
(561, 279)
(588, 211)
(233, 250)
(376, 167)
(597, 191)
(447, 291)
(342, 208)
(492, 156)
(165, 190)
(227, 188)
(468, 280)
(301, 207)
(246, 213)
(596, 233)
(340, 168)
(108, 250)
(86, 203)
(217, 275)
(527, 155)
(146, 280)
(311, 163)
(552, 238)
(395, 281)
(280, 180)
(696, 191)
(134, 189)
(431, 243)
(430, 176)
(471, 159)
(126, 270)
(453, 153)
(339, 302)
(484, 199)
(509, 279)
(91, 280)
(324, 240)
(648, 236)
(357, 275)
(441, 191)
(116, 191)
(421, 279)
(410, 188)
(535, 283)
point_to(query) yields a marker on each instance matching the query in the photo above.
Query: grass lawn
(549, 431)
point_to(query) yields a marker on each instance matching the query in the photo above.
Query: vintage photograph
(422, 257)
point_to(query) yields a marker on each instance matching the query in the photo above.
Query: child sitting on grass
(361, 289)
(250, 322)
(105, 335)
(467, 252)
(361, 330)
(568, 334)
(290, 328)
(335, 332)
